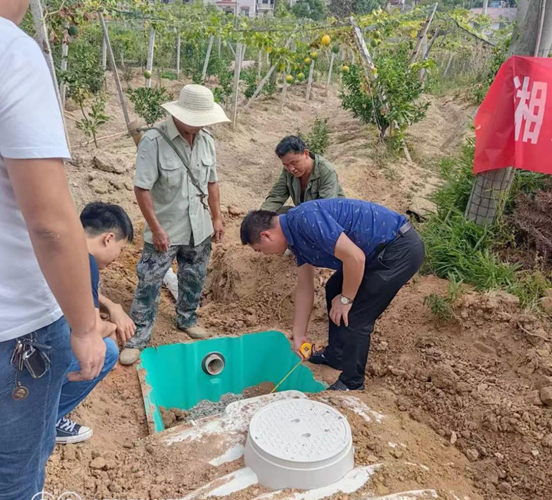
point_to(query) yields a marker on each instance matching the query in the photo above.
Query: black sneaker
(69, 432)
(338, 385)
(319, 358)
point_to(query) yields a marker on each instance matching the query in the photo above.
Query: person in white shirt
(46, 306)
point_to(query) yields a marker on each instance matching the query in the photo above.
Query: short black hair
(254, 224)
(290, 143)
(98, 218)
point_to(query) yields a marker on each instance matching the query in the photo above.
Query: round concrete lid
(300, 431)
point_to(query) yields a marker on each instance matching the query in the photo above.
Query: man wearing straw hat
(177, 191)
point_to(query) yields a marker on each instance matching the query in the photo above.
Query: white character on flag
(530, 106)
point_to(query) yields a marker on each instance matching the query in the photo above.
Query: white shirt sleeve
(30, 118)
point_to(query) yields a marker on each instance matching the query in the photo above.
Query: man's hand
(89, 348)
(298, 341)
(340, 311)
(161, 240)
(218, 225)
(125, 326)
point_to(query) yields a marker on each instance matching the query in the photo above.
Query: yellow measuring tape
(305, 350)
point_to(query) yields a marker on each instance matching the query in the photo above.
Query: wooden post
(332, 60)
(236, 86)
(219, 46)
(114, 69)
(485, 6)
(63, 67)
(207, 57)
(259, 64)
(44, 43)
(284, 92)
(423, 33)
(104, 54)
(178, 44)
(149, 63)
(309, 83)
(262, 83)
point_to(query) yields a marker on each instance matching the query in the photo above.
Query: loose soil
(473, 389)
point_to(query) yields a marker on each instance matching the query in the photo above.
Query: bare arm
(106, 328)
(214, 205)
(161, 239)
(304, 300)
(125, 327)
(41, 190)
(354, 262)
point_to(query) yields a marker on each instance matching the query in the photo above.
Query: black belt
(407, 226)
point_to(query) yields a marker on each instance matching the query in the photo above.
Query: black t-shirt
(95, 280)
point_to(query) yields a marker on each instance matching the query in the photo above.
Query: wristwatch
(345, 301)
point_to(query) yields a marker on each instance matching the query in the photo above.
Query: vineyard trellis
(289, 44)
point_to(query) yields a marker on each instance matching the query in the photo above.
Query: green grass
(461, 250)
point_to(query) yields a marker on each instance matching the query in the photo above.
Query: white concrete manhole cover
(299, 444)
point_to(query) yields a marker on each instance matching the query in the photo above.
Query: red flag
(513, 126)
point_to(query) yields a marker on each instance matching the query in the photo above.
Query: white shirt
(30, 127)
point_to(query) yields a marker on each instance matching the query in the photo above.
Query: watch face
(344, 300)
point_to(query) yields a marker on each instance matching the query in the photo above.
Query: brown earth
(472, 389)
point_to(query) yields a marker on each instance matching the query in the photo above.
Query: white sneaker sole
(85, 436)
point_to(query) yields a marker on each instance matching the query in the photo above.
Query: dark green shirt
(323, 183)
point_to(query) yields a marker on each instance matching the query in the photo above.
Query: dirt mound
(474, 389)
(478, 384)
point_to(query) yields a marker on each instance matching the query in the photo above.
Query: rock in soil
(546, 395)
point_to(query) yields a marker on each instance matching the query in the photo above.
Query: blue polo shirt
(313, 228)
(94, 280)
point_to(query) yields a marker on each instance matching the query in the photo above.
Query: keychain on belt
(31, 356)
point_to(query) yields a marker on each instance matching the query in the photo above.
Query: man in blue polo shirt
(374, 251)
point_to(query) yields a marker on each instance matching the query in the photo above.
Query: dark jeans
(27, 427)
(384, 276)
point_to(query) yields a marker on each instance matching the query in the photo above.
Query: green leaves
(397, 83)
(94, 119)
(147, 103)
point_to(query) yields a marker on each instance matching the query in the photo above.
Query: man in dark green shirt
(305, 176)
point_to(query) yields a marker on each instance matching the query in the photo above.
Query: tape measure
(306, 352)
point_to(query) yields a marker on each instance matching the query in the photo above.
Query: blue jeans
(27, 427)
(72, 393)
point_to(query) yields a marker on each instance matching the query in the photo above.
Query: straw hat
(196, 107)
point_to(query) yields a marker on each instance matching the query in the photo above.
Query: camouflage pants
(151, 269)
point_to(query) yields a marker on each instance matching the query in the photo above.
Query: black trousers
(384, 276)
